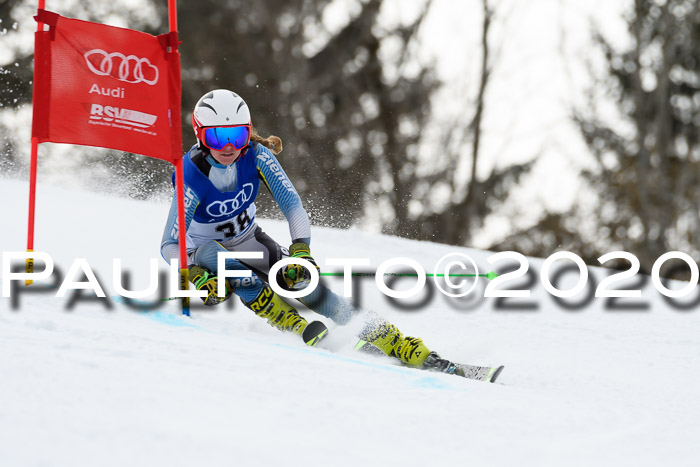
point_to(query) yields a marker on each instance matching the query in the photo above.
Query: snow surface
(91, 386)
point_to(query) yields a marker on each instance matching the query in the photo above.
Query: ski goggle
(218, 137)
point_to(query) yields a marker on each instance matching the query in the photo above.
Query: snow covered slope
(88, 385)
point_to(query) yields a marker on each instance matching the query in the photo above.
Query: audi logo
(126, 68)
(230, 206)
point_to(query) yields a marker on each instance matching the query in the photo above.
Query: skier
(223, 173)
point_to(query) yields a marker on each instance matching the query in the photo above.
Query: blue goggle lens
(218, 137)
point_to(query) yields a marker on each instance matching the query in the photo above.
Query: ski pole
(490, 275)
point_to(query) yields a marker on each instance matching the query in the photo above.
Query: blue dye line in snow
(159, 316)
(421, 381)
(170, 319)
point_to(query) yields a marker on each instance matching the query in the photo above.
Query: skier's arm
(285, 195)
(169, 244)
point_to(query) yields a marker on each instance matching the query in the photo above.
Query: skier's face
(226, 156)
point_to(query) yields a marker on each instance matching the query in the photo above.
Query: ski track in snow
(92, 386)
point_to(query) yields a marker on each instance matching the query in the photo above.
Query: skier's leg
(327, 303)
(377, 332)
(322, 300)
(254, 293)
(207, 257)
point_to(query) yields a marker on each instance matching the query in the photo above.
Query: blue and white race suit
(220, 216)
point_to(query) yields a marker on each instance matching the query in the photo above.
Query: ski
(314, 332)
(480, 373)
(436, 363)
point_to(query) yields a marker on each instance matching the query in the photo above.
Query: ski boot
(387, 338)
(381, 336)
(284, 317)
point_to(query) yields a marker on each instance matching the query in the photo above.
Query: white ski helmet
(219, 107)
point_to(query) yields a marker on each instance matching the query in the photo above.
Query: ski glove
(296, 276)
(204, 279)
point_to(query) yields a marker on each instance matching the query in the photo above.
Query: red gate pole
(180, 182)
(29, 268)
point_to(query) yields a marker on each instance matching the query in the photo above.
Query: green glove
(206, 280)
(296, 276)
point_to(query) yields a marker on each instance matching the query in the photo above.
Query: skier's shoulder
(196, 161)
(263, 156)
(196, 169)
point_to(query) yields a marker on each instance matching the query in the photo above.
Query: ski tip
(314, 333)
(495, 374)
(360, 344)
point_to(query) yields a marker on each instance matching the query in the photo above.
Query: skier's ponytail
(273, 143)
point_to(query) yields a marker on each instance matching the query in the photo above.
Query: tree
(324, 92)
(15, 84)
(647, 179)
(394, 107)
(350, 114)
(469, 200)
(138, 175)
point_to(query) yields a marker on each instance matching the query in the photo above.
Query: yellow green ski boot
(283, 316)
(387, 338)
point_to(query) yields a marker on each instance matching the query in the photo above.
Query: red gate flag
(116, 88)
(99, 85)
